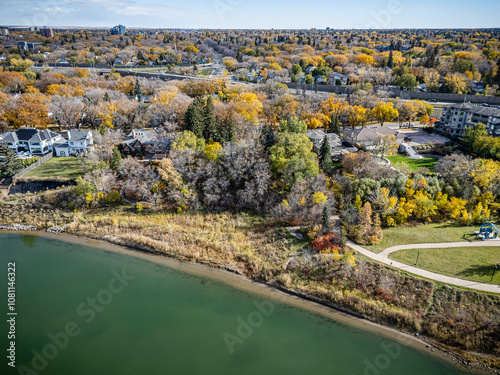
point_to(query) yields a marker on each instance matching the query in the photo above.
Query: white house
(79, 142)
(34, 141)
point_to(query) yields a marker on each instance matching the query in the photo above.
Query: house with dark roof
(145, 142)
(34, 141)
(458, 117)
(78, 142)
(317, 136)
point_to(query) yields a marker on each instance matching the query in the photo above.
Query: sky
(253, 14)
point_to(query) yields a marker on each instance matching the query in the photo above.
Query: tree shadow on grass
(478, 270)
(471, 237)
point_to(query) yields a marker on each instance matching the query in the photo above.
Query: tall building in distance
(117, 30)
(48, 33)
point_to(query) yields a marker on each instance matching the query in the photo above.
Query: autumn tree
(384, 112)
(386, 144)
(29, 110)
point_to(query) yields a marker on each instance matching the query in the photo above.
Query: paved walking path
(382, 257)
(489, 243)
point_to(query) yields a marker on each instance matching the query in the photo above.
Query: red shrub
(327, 243)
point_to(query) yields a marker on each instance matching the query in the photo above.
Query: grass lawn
(68, 167)
(469, 263)
(205, 72)
(428, 233)
(413, 164)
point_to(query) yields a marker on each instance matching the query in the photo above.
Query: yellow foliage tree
(384, 112)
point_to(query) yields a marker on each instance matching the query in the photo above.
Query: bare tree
(67, 111)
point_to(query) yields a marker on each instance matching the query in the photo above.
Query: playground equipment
(488, 231)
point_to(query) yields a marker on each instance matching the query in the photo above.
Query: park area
(412, 164)
(58, 167)
(428, 233)
(469, 263)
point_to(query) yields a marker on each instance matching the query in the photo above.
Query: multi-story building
(117, 30)
(457, 117)
(48, 33)
(28, 46)
(34, 141)
(79, 142)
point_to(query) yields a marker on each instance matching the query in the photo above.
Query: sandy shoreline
(246, 284)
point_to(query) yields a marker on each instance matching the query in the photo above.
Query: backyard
(469, 263)
(428, 233)
(68, 167)
(413, 164)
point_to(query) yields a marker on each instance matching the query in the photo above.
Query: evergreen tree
(194, 117)
(268, 137)
(325, 156)
(390, 62)
(334, 126)
(325, 218)
(9, 162)
(106, 97)
(116, 156)
(210, 126)
(228, 131)
(137, 90)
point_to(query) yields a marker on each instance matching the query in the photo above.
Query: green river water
(87, 311)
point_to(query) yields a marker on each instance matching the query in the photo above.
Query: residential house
(457, 117)
(145, 142)
(310, 68)
(79, 143)
(316, 136)
(367, 137)
(337, 78)
(319, 79)
(34, 141)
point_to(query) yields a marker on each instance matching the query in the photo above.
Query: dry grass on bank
(232, 239)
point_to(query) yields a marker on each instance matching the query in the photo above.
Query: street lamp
(418, 255)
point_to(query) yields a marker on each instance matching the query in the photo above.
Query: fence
(33, 166)
(401, 93)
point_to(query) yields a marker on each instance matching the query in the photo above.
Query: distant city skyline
(256, 14)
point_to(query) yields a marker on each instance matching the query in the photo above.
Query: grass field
(429, 233)
(469, 263)
(68, 167)
(413, 164)
(205, 72)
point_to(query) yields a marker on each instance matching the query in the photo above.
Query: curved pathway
(442, 245)
(383, 258)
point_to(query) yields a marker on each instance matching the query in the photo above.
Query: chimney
(69, 134)
(133, 133)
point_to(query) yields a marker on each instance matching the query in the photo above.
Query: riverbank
(273, 291)
(263, 250)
